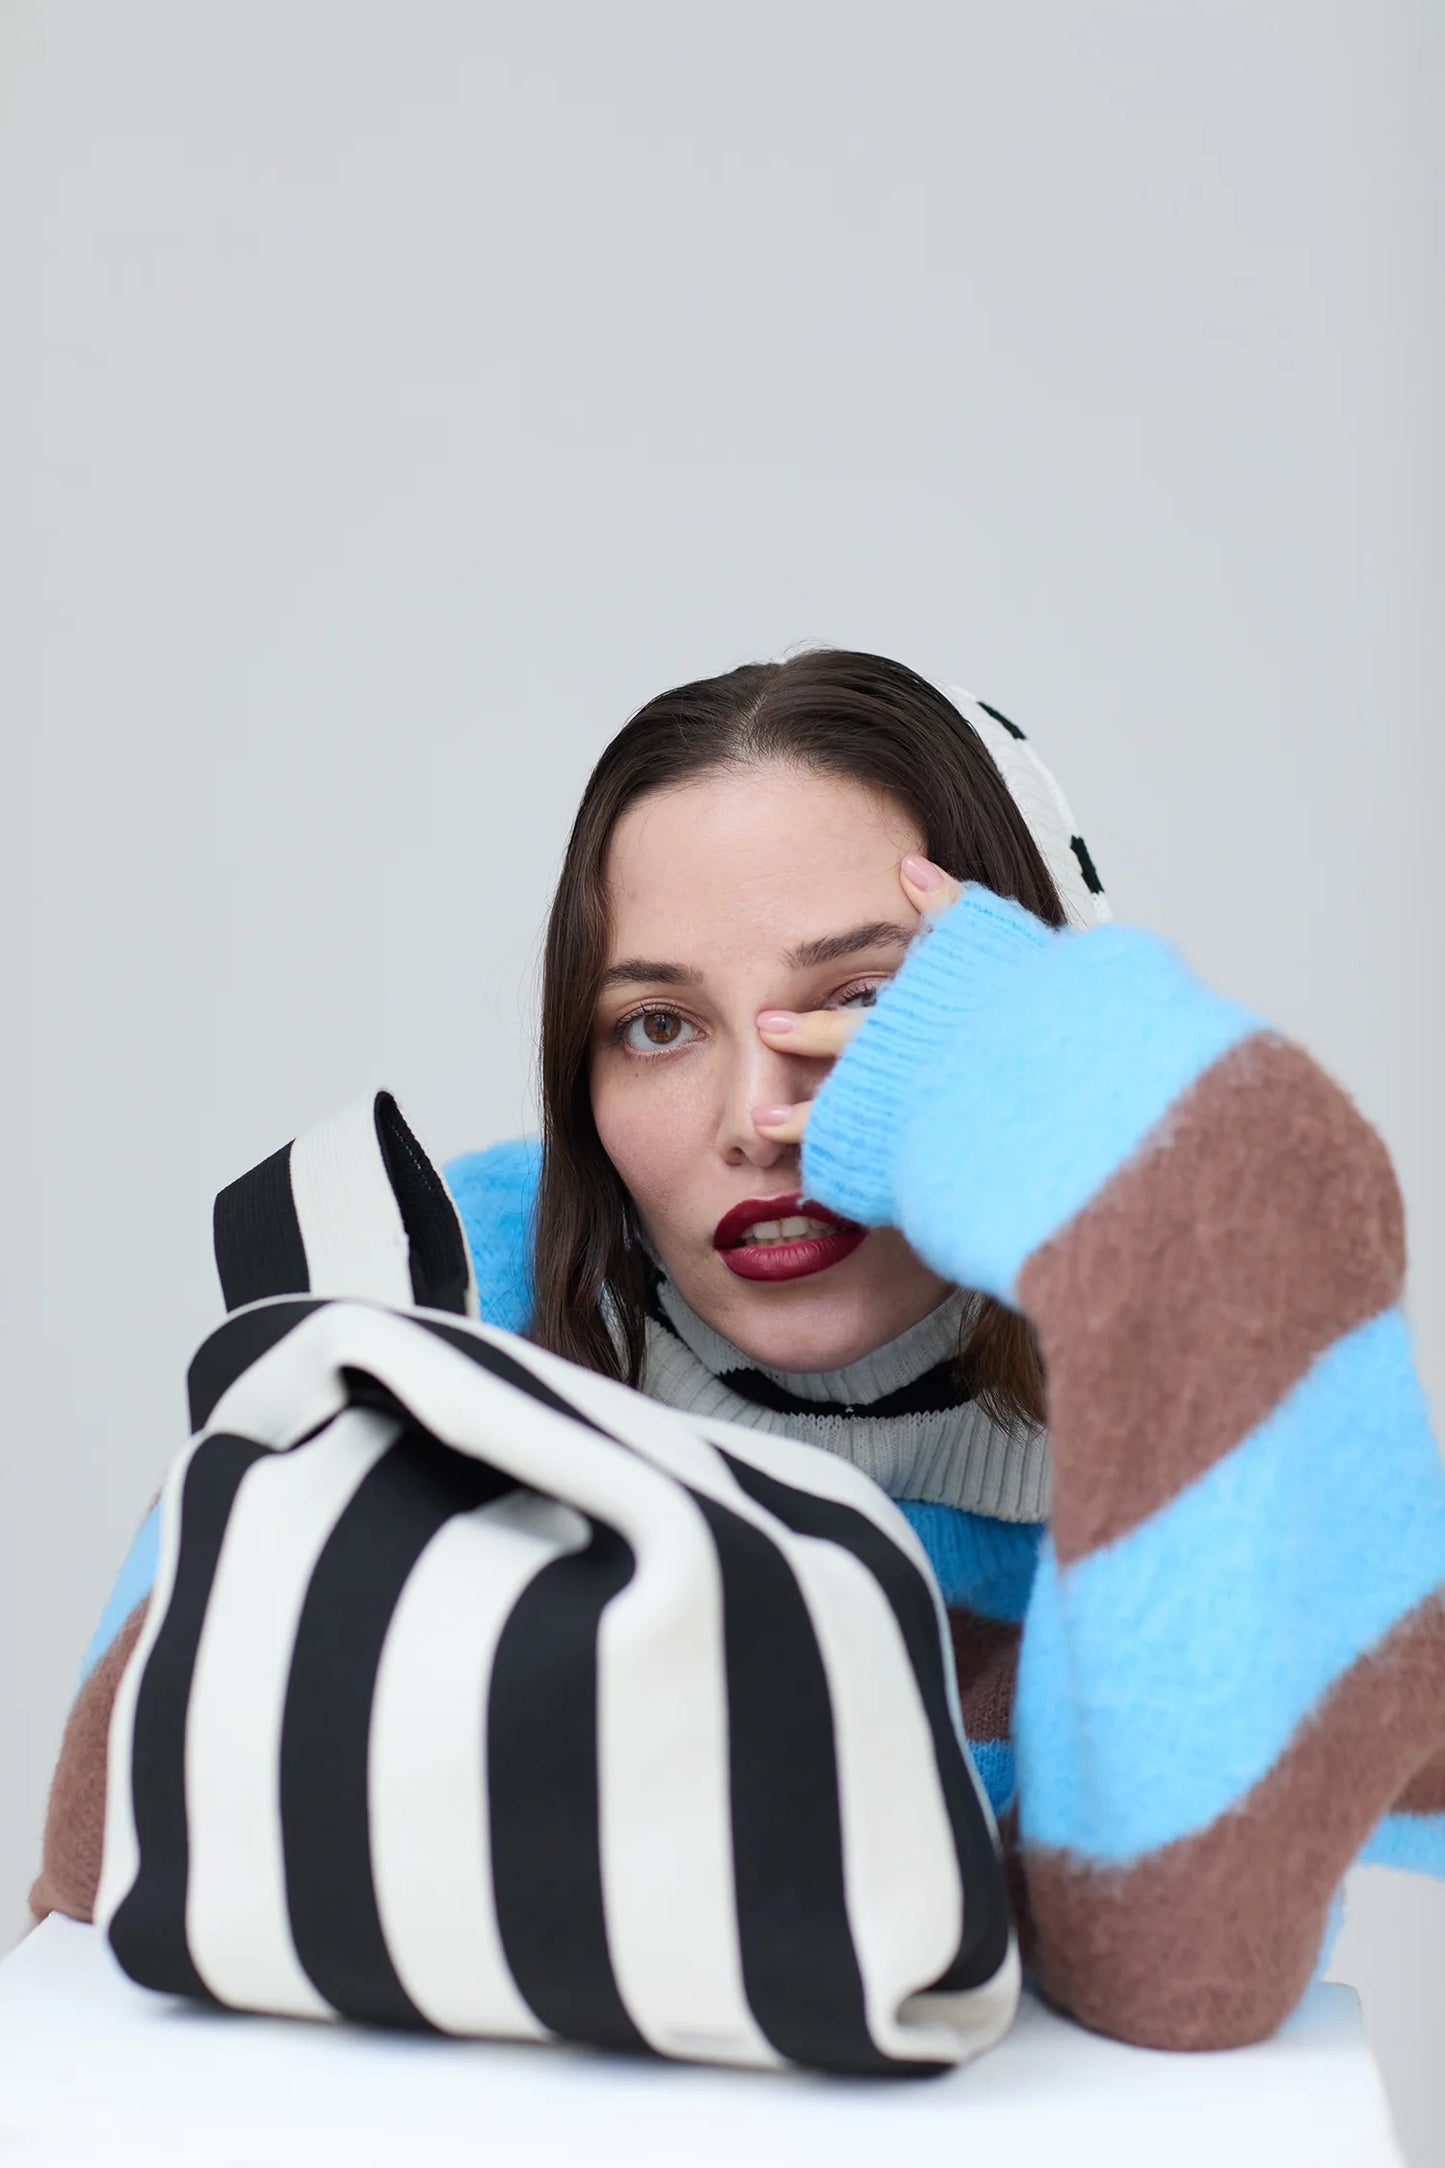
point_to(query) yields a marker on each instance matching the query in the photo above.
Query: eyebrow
(829, 948)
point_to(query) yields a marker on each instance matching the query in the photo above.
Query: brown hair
(840, 713)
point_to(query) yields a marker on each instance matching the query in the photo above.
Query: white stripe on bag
(351, 1225)
(427, 1779)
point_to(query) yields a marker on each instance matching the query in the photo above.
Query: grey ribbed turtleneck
(954, 1455)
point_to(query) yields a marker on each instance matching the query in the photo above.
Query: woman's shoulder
(494, 1191)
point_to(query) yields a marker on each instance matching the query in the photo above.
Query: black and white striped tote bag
(480, 1693)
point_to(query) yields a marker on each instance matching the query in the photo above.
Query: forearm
(75, 1813)
(1234, 1657)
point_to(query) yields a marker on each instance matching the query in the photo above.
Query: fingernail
(770, 1117)
(777, 1019)
(922, 872)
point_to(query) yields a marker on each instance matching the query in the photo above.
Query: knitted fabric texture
(1233, 1659)
(901, 1414)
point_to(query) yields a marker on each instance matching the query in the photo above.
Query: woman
(810, 1171)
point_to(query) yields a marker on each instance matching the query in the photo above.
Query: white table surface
(93, 2069)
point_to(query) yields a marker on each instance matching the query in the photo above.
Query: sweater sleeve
(495, 1193)
(1233, 1659)
(75, 1810)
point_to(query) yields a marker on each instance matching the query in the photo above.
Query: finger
(928, 888)
(781, 1125)
(818, 1032)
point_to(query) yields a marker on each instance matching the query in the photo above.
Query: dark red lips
(735, 1223)
(793, 1259)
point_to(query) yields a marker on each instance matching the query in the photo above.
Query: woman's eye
(660, 1031)
(654, 1031)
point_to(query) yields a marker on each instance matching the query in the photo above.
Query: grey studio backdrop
(403, 394)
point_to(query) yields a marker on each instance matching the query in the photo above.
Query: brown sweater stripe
(1210, 1942)
(1258, 1225)
(1425, 1792)
(75, 1816)
(986, 1658)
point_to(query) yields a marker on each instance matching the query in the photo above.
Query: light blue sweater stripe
(987, 1565)
(495, 1193)
(1161, 1676)
(994, 1761)
(973, 1108)
(134, 1582)
(986, 1190)
(1334, 1923)
(1415, 1842)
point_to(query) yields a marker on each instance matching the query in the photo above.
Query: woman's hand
(825, 1032)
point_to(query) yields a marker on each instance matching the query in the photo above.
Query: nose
(758, 1075)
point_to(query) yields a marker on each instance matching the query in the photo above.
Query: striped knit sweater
(1233, 1648)
(1218, 1677)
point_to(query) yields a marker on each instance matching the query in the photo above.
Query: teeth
(787, 1230)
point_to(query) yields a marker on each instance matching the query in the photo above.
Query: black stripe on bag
(440, 1274)
(228, 1352)
(148, 1932)
(259, 1248)
(800, 1969)
(986, 1918)
(543, 1796)
(487, 1356)
(415, 1488)
(542, 1761)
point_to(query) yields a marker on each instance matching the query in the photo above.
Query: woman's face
(759, 888)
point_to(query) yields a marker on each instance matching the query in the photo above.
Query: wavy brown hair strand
(838, 712)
